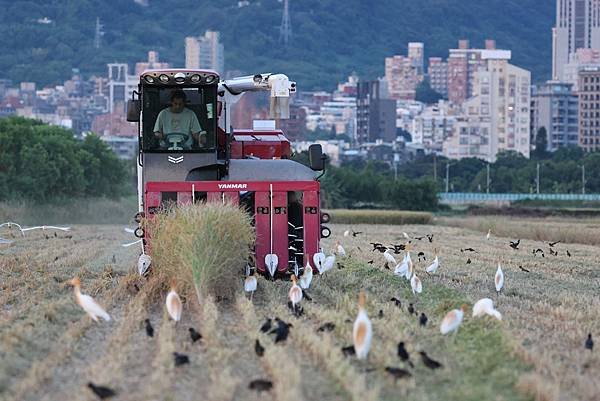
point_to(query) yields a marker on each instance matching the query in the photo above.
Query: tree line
(43, 163)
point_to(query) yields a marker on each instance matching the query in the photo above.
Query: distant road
(476, 197)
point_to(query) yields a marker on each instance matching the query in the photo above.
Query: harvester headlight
(210, 79)
(195, 78)
(257, 78)
(164, 78)
(149, 79)
(180, 77)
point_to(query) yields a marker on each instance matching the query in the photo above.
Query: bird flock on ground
(362, 330)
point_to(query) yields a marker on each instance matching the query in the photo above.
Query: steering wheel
(175, 140)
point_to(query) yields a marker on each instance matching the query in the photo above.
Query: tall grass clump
(202, 248)
(393, 217)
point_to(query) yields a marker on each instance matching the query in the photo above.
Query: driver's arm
(198, 135)
(158, 126)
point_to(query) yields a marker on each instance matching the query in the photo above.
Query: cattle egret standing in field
(415, 284)
(174, 306)
(347, 233)
(389, 258)
(295, 293)
(485, 306)
(432, 268)
(401, 268)
(250, 281)
(362, 331)
(489, 234)
(306, 277)
(340, 249)
(499, 279)
(405, 235)
(410, 270)
(87, 303)
(452, 320)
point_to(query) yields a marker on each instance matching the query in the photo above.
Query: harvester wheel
(139, 232)
(325, 218)
(325, 232)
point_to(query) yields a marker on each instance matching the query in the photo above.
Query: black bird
(370, 262)
(56, 258)
(553, 252)
(355, 233)
(468, 261)
(515, 244)
(523, 269)
(430, 237)
(194, 335)
(149, 328)
(396, 301)
(260, 385)
(421, 255)
(329, 326)
(306, 296)
(55, 235)
(568, 253)
(101, 391)
(380, 314)
(411, 309)
(419, 238)
(423, 319)
(553, 243)
(349, 350)
(266, 325)
(376, 245)
(403, 354)
(180, 359)
(467, 250)
(386, 266)
(281, 331)
(540, 250)
(259, 349)
(427, 361)
(589, 343)
(398, 373)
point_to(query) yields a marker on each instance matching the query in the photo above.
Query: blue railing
(460, 197)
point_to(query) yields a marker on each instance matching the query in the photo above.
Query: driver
(179, 119)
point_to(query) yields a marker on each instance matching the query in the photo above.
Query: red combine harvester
(250, 168)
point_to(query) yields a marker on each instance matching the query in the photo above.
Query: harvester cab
(189, 153)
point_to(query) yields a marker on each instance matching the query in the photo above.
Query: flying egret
(87, 303)
(340, 249)
(327, 264)
(485, 306)
(174, 306)
(144, 262)
(319, 260)
(362, 331)
(452, 320)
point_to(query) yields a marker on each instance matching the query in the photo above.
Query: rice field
(50, 350)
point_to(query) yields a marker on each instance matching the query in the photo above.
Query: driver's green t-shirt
(185, 122)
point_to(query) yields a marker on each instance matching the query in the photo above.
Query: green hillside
(330, 38)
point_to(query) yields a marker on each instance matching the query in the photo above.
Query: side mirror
(316, 160)
(133, 111)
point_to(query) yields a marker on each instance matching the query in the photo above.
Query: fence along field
(51, 349)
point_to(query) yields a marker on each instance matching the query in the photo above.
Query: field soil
(50, 350)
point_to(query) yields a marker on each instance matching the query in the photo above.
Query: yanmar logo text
(232, 186)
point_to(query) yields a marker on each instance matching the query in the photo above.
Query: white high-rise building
(205, 52)
(497, 117)
(577, 27)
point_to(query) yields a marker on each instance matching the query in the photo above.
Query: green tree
(426, 94)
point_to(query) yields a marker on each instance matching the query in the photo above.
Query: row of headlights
(181, 78)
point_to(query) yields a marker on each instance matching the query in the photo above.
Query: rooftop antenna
(285, 30)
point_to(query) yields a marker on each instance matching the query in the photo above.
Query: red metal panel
(232, 197)
(184, 198)
(214, 197)
(231, 186)
(280, 229)
(262, 224)
(312, 223)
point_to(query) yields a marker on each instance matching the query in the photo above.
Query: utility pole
(488, 178)
(537, 180)
(583, 179)
(447, 176)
